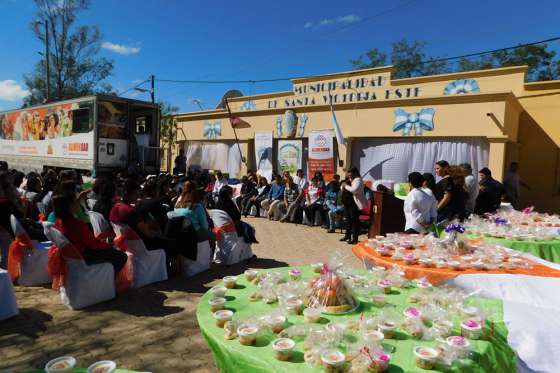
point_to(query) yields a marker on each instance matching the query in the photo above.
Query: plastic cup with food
(379, 363)
(385, 285)
(217, 304)
(373, 337)
(247, 334)
(105, 366)
(458, 344)
(471, 329)
(312, 314)
(218, 291)
(251, 274)
(388, 328)
(283, 348)
(276, 323)
(410, 312)
(295, 274)
(409, 259)
(426, 357)
(63, 364)
(379, 300)
(454, 264)
(317, 267)
(230, 281)
(293, 306)
(443, 327)
(222, 316)
(333, 360)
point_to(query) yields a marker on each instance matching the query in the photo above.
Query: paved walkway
(149, 329)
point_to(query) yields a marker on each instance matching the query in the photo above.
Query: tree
(75, 68)
(540, 60)
(167, 129)
(408, 59)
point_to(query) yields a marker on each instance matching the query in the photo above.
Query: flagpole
(243, 160)
(337, 132)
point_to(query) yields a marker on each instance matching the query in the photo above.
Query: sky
(249, 40)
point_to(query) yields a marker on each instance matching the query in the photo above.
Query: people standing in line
(180, 163)
(291, 200)
(420, 206)
(313, 200)
(352, 207)
(471, 185)
(512, 185)
(490, 193)
(275, 197)
(333, 202)
(262, 192)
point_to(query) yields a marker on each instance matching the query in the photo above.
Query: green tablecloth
(547, 250)
(230, 356)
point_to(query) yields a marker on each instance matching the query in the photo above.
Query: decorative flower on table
(422, 120)
(212, 130)
(455, 228)
(248, 105)
(461, 86)
(501, 221)
(528, 210)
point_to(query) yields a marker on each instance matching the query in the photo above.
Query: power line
(253, 81)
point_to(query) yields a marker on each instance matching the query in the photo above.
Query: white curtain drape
(215, 156)
(394, 159)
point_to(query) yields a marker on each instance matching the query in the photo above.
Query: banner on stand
(321, 154)
(263, 154)
(290, 155)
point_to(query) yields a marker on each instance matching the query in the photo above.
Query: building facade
(390, 127)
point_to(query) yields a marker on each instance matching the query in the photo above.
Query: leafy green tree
(408, 58)
(168, 129)
(75, 68)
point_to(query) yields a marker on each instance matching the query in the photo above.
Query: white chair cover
(8, 306)
(99, 224)
(5, 240)
(42, 208)
(84, 284)
(148, 266)
(202, 262)
(230, 248)
(34, 264)
(90, 203)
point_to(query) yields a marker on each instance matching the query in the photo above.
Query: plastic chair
(101, 227)
(82, 285)
(33, 264)
(230, 248)
(148, 266)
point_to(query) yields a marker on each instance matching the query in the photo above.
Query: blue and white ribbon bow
(461, 86)
(279, 126)
(212, 130)
(423, 120)
(248, 105)
(302, 123)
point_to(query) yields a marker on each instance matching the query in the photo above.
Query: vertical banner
(321, 154)
(290, 155)
(263, 154)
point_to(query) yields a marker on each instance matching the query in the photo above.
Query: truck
(93, 134)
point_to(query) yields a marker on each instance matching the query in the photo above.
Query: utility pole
(47, 63)
(152, 91)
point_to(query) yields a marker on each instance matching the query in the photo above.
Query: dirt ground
(149, 329)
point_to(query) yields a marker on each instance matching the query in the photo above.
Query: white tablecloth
(531, 309)
(8, 306)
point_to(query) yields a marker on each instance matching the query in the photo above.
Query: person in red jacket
(92, 249)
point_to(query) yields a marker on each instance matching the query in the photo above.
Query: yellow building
(394, 126)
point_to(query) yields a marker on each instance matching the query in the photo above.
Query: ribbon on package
(222, 229)
(16, 251)
(212, 130)
(422, 120)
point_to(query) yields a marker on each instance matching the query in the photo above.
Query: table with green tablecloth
(547, 250)
(490, 355)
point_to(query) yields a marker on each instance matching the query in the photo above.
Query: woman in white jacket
(352, 207)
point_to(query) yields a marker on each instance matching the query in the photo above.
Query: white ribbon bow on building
(212, 130)
(422, 120)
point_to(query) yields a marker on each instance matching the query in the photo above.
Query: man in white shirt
(300, 180)
(220, 182)
(420, 206)
(472, 187)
